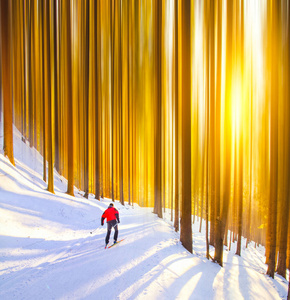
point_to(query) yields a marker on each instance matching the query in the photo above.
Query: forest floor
(47, 250)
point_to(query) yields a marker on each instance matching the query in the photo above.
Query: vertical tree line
(6, 62)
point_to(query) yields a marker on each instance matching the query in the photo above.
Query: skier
(112, 216)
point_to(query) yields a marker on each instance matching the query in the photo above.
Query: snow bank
(48, 252)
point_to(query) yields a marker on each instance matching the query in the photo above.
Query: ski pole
(94, 230)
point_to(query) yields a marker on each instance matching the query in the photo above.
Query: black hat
(111, 204)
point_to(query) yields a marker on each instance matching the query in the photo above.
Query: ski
(115, 244)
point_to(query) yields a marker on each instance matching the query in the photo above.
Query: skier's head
(111, 205)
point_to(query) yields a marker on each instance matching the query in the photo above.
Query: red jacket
(110, 214)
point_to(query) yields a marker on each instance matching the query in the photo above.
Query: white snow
(47, 251)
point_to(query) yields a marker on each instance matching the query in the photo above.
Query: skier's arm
(117, 216)
(103, 218)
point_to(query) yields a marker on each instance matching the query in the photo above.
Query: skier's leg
(116, 233)
(109, 227)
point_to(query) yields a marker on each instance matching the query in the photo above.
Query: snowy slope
(47, 251)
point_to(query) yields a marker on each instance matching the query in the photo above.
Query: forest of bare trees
(178, 105)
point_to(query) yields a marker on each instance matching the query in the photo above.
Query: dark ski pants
(111, 224)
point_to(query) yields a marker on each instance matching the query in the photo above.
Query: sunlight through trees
(179, 105)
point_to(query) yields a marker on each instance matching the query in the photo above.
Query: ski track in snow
(47, 251)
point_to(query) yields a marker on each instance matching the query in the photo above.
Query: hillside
(48, 252)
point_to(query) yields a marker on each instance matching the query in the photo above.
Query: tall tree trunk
(226, 234)
(112, 92)
(121, 106)
(49, 103)
(284, 214)
(36, 81)
(235, 188)
(158, 133)
(24, 71)
(6, 43)
(43, 92)
(56, 88)
(129, 67)
(203, 163)
(87, 98)
(218, 125)
(227, 133)
(240, 195)
(29, 67)
(212, 119)
(68, 68)
(176, 119)
(273, 139)
(97, 97)
(209, 84)
(185, 224)
(250, 178)
(241, 141)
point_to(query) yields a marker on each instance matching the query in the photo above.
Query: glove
(102, 224)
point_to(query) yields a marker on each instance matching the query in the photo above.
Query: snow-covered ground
(48, 252)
